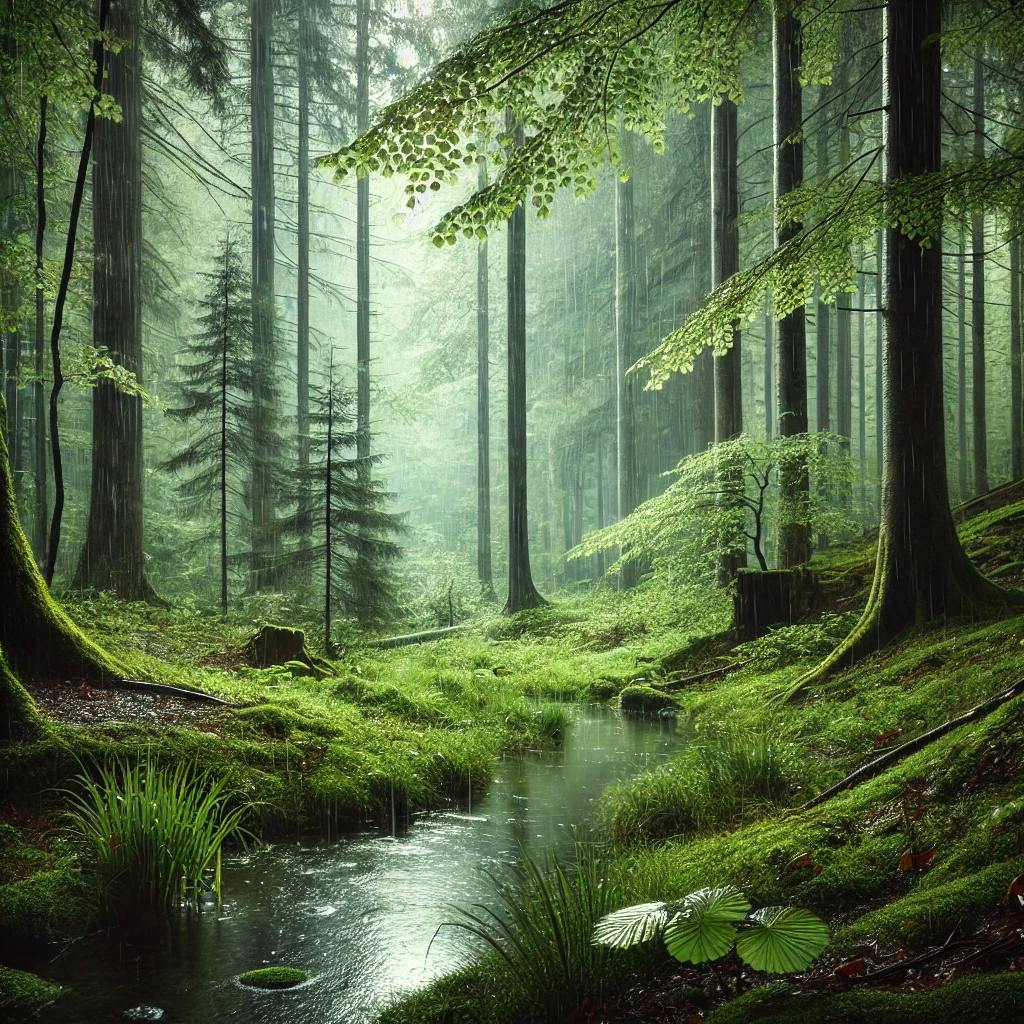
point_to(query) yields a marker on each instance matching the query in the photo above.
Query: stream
(359, 912)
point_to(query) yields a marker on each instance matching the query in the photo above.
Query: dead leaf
(907, 861)
(852, 968)
(799, 862)
(883, 739)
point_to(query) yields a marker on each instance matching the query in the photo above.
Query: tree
(363, 233)
(352, 539)
(216, 400)
(979, 416)
(794, 539)
(522, 593)
(264, 342)
(483, 413)
(688, 530)
(921, 570)
(1016, 397)
(112, 555)
(626, 269)
(725, 245)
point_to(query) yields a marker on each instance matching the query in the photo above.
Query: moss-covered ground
(423, 723)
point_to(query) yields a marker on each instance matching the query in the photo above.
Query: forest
(512, 511)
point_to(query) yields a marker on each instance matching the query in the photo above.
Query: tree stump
(278, 645)
(766, 599)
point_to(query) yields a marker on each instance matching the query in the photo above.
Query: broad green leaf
(705, 927)
(782, 940)
(631, 925)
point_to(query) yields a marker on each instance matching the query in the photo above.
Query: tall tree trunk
(522, 593)
(794, 539)
(769, 379)
(961, 368)
(225, 331)
(725, 262)
(862, 418)
(483, 415)
(921, 572)
(363, 235)
(264, 344)
(822, 310)
(74, 213)
(978, 299)
(39, 461)
(302, 281)
(626, 468)
(879, 364)
(112, 556)
(1016, 404)
(10, 301)
(844, 326)
(328, 526)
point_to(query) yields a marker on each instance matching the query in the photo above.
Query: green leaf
(705, 927)
(782, 940)
(631, 925)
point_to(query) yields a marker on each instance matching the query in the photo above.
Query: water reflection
(359, 913)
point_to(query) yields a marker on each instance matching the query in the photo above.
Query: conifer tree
(216, 397)
(345, 530)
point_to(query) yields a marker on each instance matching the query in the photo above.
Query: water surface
(358, 913)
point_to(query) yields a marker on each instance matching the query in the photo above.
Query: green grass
(151, 834)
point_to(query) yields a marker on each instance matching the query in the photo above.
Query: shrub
(152, 833)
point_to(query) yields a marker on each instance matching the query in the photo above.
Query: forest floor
(912, 869)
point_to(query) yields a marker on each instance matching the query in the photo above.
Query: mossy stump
(645, 700)
(766, 599)
(283, 645)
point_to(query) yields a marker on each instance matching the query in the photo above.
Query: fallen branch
(879, 764)
(675, 684)
(172, 691)
(415, 638)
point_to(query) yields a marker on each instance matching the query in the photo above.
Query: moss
(24, 996)
(50, 904)
(274, 977)
(645, 700)
(978, 1000)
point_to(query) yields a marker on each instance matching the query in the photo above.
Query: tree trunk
(39, 462)
(521, 591)
(112, 556)
(626, 469)
(862, 419)
(769, 380)
(822, 311)
(363, 236)
(921, 571)
(302, 275)
(794, 539)
(37, 638)
(725, 262)
(1016, 404)
(10, 301)
(961, 369)
(844, 332)
(980, 423)
(264, 345)
(483, 415)
(879, 365)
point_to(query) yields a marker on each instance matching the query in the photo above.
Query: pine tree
(216, 397)
(340, 516)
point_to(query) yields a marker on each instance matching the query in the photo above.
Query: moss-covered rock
(24, 996)
(645, 700)
(273, 977)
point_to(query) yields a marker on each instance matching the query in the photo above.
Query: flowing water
(358, 913)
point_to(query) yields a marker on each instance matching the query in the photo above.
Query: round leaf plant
(708, 923)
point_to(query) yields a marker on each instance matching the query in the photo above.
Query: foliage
(708, 923)
(152, 834)
(542, 934)
(725, 497)
(714, 782)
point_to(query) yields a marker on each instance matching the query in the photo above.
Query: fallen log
(173, 691)
(700, 677)
(879, 764)
(415, 638)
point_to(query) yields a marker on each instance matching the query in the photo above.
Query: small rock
(144, 1013)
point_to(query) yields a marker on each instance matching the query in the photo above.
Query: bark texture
(112, 556)
(794, 539)
(522, 593)
(484, 567)
(921, 572)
